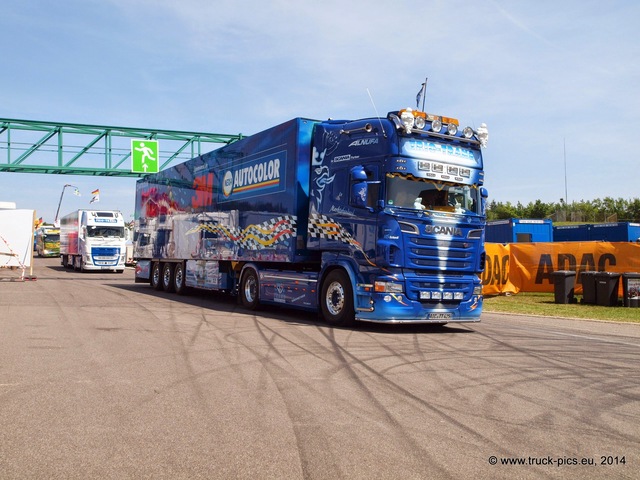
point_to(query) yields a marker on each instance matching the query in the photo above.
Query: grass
(543, 304)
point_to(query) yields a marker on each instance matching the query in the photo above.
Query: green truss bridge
(66, 148)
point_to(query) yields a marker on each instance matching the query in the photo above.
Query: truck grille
(105, 256)
(440, 254)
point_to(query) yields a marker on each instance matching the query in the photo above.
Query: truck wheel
(167, 277)
(249, 289)
(156, 276)
(179, 279)
(336, 301)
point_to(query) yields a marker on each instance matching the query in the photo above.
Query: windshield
(105, 232)
(419, 194)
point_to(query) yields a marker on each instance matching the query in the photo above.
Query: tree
(586, 211)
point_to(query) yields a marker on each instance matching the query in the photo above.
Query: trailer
(377, 220)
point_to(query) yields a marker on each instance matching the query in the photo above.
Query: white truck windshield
(105, 232)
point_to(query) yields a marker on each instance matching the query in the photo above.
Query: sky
(557, 83)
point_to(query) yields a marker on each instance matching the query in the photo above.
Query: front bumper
(397, 308)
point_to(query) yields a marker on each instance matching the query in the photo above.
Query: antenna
(377, 115)
(564, 144)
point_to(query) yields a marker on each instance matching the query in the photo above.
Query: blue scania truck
(376, 220)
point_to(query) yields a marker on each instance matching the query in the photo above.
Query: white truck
(93, 240)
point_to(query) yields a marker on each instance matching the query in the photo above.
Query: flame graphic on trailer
(254, 237)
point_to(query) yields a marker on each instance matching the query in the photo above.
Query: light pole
(77, 192)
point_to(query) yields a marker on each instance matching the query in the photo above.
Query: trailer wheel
(179, 279)
(156, 276)
(249, 290)
(167, 277)
(336, 301)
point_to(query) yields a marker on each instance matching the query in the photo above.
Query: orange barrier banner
(529, 267)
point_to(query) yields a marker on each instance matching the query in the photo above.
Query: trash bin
(607, 288)
(588, 280)
(563, 285)
(631, 289)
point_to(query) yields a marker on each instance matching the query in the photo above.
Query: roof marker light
(467, 132)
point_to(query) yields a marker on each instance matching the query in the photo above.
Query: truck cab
(48, 242)
(403, 206)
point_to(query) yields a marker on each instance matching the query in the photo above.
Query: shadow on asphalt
(227, 303)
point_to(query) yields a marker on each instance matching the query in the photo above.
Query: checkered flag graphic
(322, 226)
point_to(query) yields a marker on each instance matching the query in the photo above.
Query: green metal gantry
(67, 148)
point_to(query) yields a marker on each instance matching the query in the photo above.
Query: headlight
(467, 132)
(388, 287)
(477, 290)
(420, 122)
(436, 126)
(452, 129)
(407, 119)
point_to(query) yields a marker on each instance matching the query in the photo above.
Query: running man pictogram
(144, 156)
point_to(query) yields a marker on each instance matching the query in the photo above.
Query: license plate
(440, 316)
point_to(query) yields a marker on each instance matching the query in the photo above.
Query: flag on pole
(420, 95)
(96, 196)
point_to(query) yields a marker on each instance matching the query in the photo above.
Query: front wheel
(249, 289)
(78, 263)
(336, 300)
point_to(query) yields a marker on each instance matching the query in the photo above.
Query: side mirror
(483, 204)
(359, 187)
(359, 192)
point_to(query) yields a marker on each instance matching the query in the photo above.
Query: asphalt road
(104, 378)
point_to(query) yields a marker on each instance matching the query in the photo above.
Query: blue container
(516, 230)
(598, 232)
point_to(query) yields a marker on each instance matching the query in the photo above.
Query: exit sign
(144, 156)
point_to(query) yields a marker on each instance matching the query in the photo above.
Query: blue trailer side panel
(246, 201)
